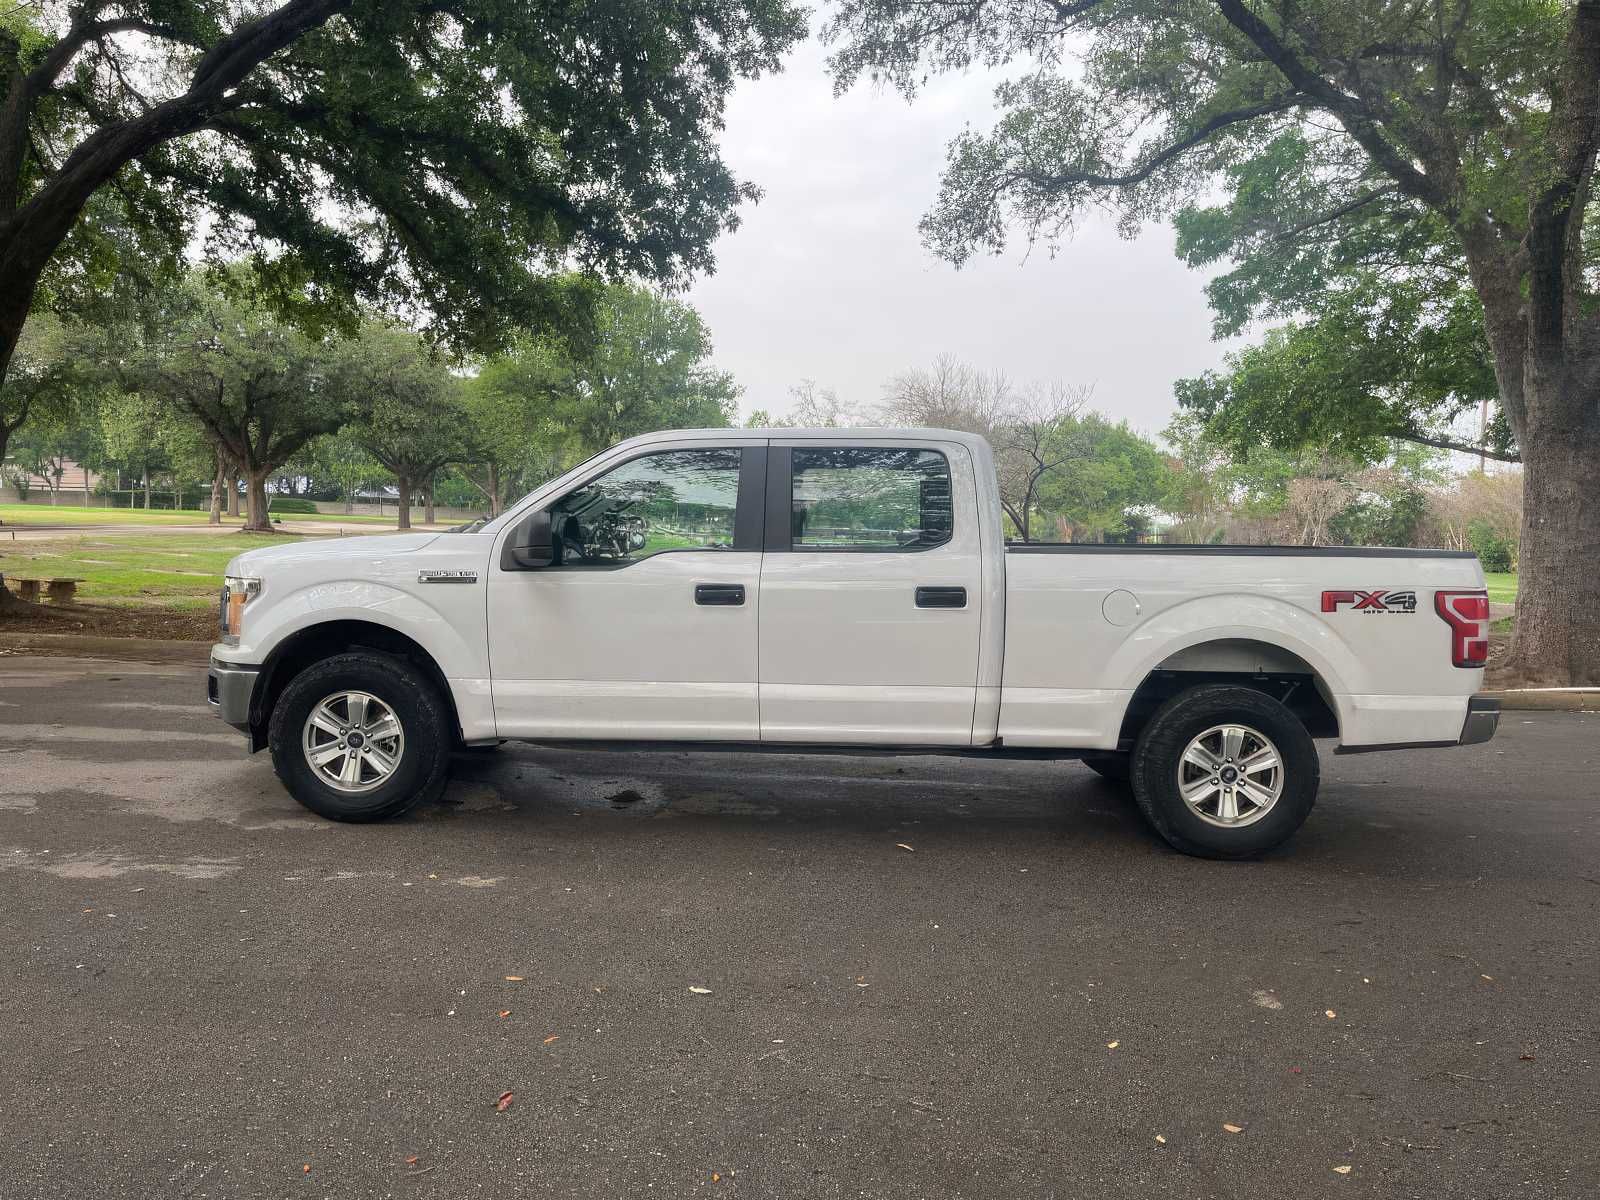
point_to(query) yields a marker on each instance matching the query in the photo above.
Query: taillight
(1467, 614)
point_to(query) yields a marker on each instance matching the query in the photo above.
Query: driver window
(674, 500)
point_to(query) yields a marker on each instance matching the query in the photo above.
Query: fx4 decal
(1376, 601)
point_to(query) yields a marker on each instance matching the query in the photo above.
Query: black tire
(1186, 716)
(1112, 766)
(423, 764)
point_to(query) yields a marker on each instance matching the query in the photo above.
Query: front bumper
(229, 689)
(1483, 718)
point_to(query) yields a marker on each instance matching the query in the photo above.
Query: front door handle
(941, 597)
(723, 595)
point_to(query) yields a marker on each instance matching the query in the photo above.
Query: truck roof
(782, 432)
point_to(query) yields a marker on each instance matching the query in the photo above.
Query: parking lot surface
(630, 974)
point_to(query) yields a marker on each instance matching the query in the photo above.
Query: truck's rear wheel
(360, 737)
(1224, 772)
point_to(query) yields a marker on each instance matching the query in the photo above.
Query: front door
(645, 627)
(871, 594)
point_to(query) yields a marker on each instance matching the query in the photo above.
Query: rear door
(871, 593)
(646, 628)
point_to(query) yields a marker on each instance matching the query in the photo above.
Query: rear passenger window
(869, 499)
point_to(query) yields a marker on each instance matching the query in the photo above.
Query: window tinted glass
(675, 500)
(865, 499)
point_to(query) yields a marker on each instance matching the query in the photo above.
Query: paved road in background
(205, 991)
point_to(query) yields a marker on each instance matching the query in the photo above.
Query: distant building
(75, 477)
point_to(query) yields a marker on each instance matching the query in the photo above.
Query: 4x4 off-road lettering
(1379, 600)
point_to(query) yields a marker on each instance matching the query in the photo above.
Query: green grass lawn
(172, 570)
(67, 515)
(1502, 587)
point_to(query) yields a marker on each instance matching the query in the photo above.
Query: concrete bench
(60, 591)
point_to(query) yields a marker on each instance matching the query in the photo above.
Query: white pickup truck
(843, 589)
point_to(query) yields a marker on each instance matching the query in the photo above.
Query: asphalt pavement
(653, 974)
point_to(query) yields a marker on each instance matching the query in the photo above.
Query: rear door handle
(941, 597)
(724, 595)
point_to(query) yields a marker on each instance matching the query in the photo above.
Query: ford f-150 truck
(843, 589)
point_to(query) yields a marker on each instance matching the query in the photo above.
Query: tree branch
(1356, 118)
(1444, 443)
(38, 226)
(1236, 116)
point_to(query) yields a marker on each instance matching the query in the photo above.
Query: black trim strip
(748, 510)
(828, 749)
(779, 522)
(1262, 551)
(1393, 746)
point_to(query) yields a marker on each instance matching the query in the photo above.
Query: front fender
(449, 628)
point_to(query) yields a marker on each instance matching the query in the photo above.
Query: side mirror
(532, 545)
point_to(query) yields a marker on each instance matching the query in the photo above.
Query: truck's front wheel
(360, 737)
(1224, 772)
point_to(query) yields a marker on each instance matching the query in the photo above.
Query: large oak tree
(1431, 137)
(444, 156)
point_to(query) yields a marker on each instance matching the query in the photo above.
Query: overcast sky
(827, 279)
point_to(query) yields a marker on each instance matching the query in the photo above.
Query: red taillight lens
(1467, 614)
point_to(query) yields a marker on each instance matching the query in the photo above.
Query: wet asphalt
(779, 975)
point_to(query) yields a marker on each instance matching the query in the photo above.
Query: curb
(1547, 699)
(72, 645)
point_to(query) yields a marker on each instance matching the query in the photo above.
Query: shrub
(292, 504)
(1495, 551)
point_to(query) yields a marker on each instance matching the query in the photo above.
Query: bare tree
(1031, 428)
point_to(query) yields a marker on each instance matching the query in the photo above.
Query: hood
(253, 562)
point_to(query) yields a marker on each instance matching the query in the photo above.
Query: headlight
(237, 592)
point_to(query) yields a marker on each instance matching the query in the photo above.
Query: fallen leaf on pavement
(715, 1178)
(1234, 1128)
(504, 1102)
(1341, 1170)
(902, 846)
(306, 1169)
(551, 1038)
(504, 1012)
(1527, 1058)
(513, 978)
(700, 991)
(1330, 1014)
(1160, 1141)
(412, 1161)
(1112, 1045)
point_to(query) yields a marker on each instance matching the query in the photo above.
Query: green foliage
(293, 504)
(449, 156)
(1112, 475)
(1363, 151)
(259, 388)
(51, 377)
(413, 421)
(1495, 550)
(550, 403)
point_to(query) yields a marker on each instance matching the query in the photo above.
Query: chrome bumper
(229, 688)
(1483, 718)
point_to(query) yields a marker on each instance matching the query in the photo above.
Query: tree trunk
(1557, 636)
(257, 520)
(494, 490)
(427, 501)
(147, 489)
(233, 493)
(402, 484)
(217, 484)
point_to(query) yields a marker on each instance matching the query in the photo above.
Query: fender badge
(447, 577)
